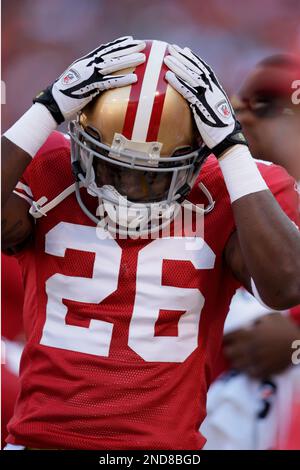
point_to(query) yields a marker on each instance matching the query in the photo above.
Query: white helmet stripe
(149, 87)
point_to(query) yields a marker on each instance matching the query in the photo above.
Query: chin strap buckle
(40, 208)
(36, 210)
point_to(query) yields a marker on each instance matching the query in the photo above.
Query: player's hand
(90, 75)
(197, 83)
(265, 348)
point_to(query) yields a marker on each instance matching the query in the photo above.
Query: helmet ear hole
(182, 151)
(93, 132)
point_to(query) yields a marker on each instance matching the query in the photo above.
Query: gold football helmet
(137, 148)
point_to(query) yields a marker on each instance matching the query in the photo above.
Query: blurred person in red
(268, 107)
(12, 337)
(257, 340)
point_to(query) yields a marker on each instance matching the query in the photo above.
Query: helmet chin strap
(138, 216)
(120, 216)
(208, 208)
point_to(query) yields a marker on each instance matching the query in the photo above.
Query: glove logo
(70, 77)
(224, 109)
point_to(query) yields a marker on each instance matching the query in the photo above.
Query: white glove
(197, 83)
(90, 75)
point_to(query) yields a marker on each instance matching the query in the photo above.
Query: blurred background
(41, 38)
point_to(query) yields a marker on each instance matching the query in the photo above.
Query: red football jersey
(11, 298)
(122, 334)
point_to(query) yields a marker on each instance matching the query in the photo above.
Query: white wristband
(32, 129)
(240, 173)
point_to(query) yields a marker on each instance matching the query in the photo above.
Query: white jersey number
(151, 295)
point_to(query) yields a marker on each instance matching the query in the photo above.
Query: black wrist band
(45, 97)
(236, 137)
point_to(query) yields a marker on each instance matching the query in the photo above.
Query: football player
(123, 331)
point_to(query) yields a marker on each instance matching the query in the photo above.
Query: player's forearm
(21, 142)
(269, 241)
(270, 245)
(14, 162)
